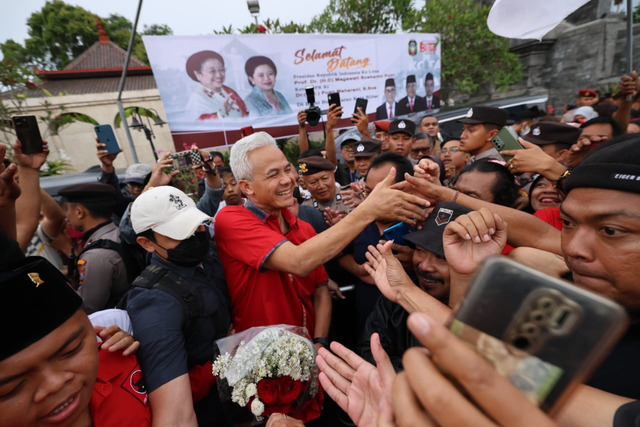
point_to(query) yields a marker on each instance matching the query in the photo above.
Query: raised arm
(28, 204)
(628, 87)
(9, 192)
(303, 140)
(333, 115)
(53, 215)
(524, 229)
(382, 204)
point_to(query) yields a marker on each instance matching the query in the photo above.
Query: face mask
(525, 131)
(190, 252)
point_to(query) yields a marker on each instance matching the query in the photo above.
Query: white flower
(251, 390)
(257, 407)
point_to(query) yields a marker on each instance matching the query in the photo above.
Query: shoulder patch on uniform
(135, 386)
(444, 216)
(338, 197)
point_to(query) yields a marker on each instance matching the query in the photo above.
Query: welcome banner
(212, 86)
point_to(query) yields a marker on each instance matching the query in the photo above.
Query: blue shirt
(257, 103)
(157, 319)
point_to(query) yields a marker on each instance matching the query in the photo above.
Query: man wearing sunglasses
(421, 147)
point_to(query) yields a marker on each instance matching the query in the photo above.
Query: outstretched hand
(354, 384)
(473, 237)
(387, 271)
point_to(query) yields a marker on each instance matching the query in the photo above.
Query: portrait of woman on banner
(211, 100)
(264, 100)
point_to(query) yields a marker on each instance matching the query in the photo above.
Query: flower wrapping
(265, 370)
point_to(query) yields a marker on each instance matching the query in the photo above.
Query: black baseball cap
(86, 193)
(485, 114)
(430, 237)
(615, 165)
(367, 148)
(402, 126)
(545, 133)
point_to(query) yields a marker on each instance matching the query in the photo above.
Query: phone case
(28, 133)
(106, 136)
(544, 335)
(396, 231)
(506, 139)
(362, 103)
(334, 98)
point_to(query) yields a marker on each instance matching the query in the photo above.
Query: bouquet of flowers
(265, 370)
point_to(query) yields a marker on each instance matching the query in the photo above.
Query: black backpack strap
(127, 256)
(103, 244)
(156, 277)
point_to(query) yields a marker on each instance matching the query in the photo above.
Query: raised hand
(473, 237)
(302, 118)
(388, 204)
(9, 188)
(422, 395)
(387, 271)
(105, 158)
(429, 170)
(32, 161)
(114, 339)
(333, 115)
(533, 160)
(354, 384)
(362, 123)
(332, 217)
(159, 174)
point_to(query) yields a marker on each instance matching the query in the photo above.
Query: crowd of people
(114, 294)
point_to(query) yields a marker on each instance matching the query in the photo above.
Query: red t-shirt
(550, 216)
(246, 236)
(119, 396)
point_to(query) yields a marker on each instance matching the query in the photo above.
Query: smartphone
(246, 131)
(108, 138)
(396, 231)
(506, 139)
(543, 334)
(28, 133)
(186, 159)
(334, 98)
(362, 103)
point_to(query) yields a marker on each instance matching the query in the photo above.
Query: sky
(185, 17)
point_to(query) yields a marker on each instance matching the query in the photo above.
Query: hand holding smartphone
(506, 139)
(334, 99)
(544, 335)
(107, 137)
(28, 134)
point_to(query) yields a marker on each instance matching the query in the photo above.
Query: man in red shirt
(274, 263)
(52, 371)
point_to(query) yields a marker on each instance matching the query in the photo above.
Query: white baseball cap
(167, 211)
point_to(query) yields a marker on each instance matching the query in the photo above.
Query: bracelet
(564, 176)
(322, 341)
(455, 197)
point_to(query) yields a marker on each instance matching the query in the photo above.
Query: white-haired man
(274, 263)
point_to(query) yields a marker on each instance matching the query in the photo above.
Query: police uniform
(481, 114)
(367, 148)
(312, 165)
(545, 133)
(101, 272)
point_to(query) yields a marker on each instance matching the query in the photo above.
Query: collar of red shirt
(264, 216)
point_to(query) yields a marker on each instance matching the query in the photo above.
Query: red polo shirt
(550, 216)
(119, 396)
(246, 236)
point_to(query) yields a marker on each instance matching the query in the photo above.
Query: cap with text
(167, 211)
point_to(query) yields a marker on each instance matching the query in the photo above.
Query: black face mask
(190, 252)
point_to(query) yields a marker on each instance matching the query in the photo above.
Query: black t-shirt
(627, 415)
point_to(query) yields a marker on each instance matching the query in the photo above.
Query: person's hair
(98, 210)
(559, 146)
(429, 76)
(402, 164)
(448, 140)
(311, 152)
(225, 171)
(488, 127)
(525, 115)
(148, 234)
(217, 154)
(549, 118)
(422, 135)
(505, 190)
(605, 109)
(256, 61)
(239, 161)
(196, 60)
(422, 119)
(615, 126)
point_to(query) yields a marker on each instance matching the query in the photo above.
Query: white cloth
(526, 19)
(112, 316)
(586, 111)
(200, 103)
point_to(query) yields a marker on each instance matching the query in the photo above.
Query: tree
(361, 16)
(60, 32)
(473, 57)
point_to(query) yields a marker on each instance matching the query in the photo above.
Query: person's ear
(492, 133)
(146, 244)
(81, 211)
(246, 187)
(198, 75)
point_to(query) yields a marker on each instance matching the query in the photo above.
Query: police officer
(364, 153)
(98, 268)
(318, 177)
(178, 307)
(480, 125)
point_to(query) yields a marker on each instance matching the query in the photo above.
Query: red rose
(267, 391)
(277, 408)
(289, 390)
(261, 29)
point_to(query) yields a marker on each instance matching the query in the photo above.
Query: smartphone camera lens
(538, 316)
(547, 304)
(521, 342)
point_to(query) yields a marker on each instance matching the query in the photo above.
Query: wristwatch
(322, 341)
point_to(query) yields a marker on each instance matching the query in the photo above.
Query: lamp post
(137, 123)
(254, 9)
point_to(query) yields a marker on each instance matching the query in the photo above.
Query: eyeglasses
(420, 150)
(347, 147)
(451, 150)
